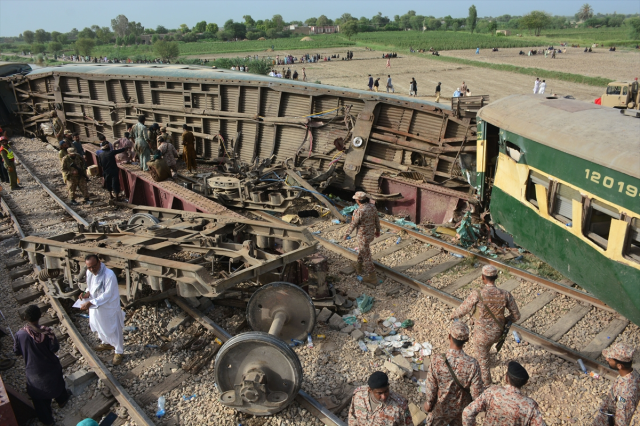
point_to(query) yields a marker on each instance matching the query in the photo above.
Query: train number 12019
(609, 182)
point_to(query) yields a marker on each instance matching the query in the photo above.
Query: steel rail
(135, 411)
(532, 337)
(304, 399)
(57, 199)
(452, 248)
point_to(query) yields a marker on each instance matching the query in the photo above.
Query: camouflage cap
(360, 195)
(459, 330)
(620, 352)
(71, 151)
(489, 271)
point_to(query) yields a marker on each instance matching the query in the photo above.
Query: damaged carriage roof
(595, 133)
(204, 72)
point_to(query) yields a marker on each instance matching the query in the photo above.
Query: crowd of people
(458, 386)
(140, 145)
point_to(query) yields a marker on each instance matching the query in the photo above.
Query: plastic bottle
(516, 336)
(363, 346)
(166, 302)
(335, 221)
(130, 328)
(348, 237)
(161, 402)
(375, 338)
(398, 240)
(582, 367)
(309, 341)
(297, 342)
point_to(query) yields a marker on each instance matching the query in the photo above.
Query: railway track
(28, 289)
(426, 258)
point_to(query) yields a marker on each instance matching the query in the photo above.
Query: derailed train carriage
(528, 151)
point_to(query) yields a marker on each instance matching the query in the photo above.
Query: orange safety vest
(9, 152)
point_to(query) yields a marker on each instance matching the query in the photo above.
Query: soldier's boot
(372, 278)
(359, 267)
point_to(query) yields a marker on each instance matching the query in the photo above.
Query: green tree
(311, 21)
(200, 27)
(104, 34)
(455, 26)
(271, 33)
(633, 24)
(28, 36)
(184, 28)
(278, 21)
(248, 21)
(37, 48)
(86, 33)
(448, 21)
(40, 36)
(349, 28)
(84, 46)
(162, 30)
(62, 38)
(212, 28)
(536, 21)
(155, 38)
(135, 28)
(55, 47)
(130, 40)
(432, 24)
(322, 21)
(120, 25)
(54, 35)
(472, 19)
(190, 37)
(166, 49)
(493, 26)
(585, 12)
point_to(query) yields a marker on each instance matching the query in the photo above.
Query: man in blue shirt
(457, 93)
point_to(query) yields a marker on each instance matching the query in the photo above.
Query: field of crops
(440, 40)
(203, 47)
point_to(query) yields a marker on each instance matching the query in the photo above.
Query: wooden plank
(67, 359)
(153, 393)
(382, 237)
(333, 228)
(347, 270)
(44, 306)
(605, 338)
(48, 320)
(392, 249)
(535, 305)
(234, 303)
(416, 260)
(438, 269)
(463, 281)
(16, 263)
(20, 273)
(94, 408)
(509, 285)
(28, 295)
(564, 324)
(19, 284)
(139, 369)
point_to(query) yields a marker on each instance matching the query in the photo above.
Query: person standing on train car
(486, 307)
(140, 135)
(620, 402)
(189, 149)
(365, 219)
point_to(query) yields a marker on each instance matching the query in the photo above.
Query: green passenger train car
(563, 178)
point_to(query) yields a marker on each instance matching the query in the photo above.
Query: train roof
(205, 72)
(595, 133)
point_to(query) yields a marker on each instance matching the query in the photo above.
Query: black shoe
(88, 202)
(73, 202)
(17, 188)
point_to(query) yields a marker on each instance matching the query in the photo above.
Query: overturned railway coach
(563, 177)
(383, 144)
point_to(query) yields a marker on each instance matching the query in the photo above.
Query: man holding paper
(102, 299)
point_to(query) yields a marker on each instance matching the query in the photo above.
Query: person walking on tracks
(620, 403)
(140, 135)
(486, 307)
(45, 381)
(453, 380)
(75, 176)
(365, 219)
(505, 406)
(189, 149)
(102, 299)
(9, 163)
(375, 405)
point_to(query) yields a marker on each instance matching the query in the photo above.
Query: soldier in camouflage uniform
(58, 127)
(365, 219)
(505, 406)
(487, 310)
(618, 406)
(73, 172)
(445, 397)
(154, 132)
(375, 405)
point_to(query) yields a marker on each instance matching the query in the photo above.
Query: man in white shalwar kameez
(103, 302)
(536, 86)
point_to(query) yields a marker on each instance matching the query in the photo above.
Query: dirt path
(427, 72)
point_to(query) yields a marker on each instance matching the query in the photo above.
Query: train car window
(599, 222)
(632, 249)
(563, 205)
(535, 178)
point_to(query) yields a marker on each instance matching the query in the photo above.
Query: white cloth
(536, 85)
(105, 316)
(543, 86)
